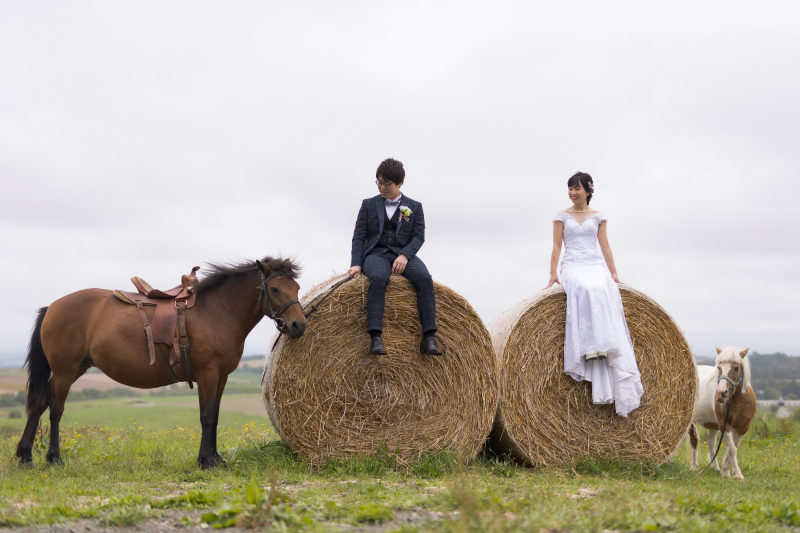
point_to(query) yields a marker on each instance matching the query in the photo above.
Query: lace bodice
(580, 240)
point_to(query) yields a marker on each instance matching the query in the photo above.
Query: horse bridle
(275, 316)
(734, 383)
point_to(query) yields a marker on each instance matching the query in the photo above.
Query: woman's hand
(558, 231)
(354, 272)
(615, 278)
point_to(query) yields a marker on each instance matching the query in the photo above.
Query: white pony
(724, 387)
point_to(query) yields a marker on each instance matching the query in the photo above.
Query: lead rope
(315, 304)
(721, 435)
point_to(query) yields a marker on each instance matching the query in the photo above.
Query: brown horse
(726, 403)
(93, 328)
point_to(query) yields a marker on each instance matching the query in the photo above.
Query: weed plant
(129, 475)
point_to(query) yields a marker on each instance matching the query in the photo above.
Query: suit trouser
(378, 268)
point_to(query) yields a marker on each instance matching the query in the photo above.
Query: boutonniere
(405, 212)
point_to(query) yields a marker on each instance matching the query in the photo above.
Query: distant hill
(775, 365)
(774, 375)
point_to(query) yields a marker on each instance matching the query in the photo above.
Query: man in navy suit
(390, 230)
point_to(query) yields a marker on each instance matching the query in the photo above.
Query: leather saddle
(168, 325)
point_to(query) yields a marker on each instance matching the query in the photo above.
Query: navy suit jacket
(369, 226)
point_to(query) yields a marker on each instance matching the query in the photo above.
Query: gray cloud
(263, 124)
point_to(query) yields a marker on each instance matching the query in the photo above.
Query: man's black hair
(391, 170)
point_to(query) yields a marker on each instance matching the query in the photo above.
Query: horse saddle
(168, 325)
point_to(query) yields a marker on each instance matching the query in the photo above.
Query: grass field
(150, 412)
(127, 464)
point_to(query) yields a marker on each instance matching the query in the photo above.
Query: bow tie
(391, 202)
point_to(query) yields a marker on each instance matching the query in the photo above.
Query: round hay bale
(327, 396)
(547, 418)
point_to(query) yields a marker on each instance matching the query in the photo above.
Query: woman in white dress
(597, 346)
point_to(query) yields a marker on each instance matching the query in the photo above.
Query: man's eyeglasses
(380, 183)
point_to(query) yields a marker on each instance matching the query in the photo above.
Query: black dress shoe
(377, 346)
(429, 346)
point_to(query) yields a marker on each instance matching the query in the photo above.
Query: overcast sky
(228, 130)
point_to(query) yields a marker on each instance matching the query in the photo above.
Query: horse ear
(261, 266)
(744, 352)
(718, 351)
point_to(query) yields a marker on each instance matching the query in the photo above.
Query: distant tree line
(9, 399)
(94, 394)
(774, 375)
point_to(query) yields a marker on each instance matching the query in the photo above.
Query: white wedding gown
(596, 319)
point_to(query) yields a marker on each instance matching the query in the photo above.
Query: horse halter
(734, 383)
(275, 316)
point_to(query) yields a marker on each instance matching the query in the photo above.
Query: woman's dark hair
(586, 182)
(391, 170)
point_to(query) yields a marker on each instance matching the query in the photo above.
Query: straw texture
(328, 397)
(547, 418)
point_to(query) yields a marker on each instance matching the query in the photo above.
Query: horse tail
(692, 441)
(38, 389)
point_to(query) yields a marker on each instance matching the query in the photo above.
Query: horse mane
(731, 355)
(219, 273)
(711, 377)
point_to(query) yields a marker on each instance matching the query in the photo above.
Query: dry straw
(547, 418)
(328, 397)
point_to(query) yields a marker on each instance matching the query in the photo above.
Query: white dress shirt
(390, 209)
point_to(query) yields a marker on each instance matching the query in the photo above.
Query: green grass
(128, 474)
(249, 377)
(150, 412)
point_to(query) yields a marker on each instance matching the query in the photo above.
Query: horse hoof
(54, 459)
(693, 467)
(725, 475)
(28, 463)
(207, 464)
(740, 477)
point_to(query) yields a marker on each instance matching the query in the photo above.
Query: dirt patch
(86, 381)
(169, 521)
(12, 383)
(252, 364)
(84, 500)
(173, 521)
(584, 492)
(23, 504)
(100, 382)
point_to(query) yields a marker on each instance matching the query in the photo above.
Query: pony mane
(731, 355)
(219, 273)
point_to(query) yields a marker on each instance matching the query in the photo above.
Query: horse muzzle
(296, 328)
(722, 396)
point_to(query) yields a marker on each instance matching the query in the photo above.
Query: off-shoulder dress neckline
(576, 220)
